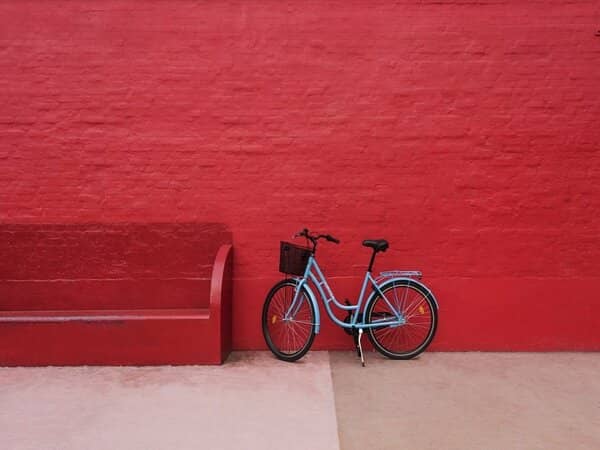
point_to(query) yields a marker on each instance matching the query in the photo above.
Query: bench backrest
(107, 266)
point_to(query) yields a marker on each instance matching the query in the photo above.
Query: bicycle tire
(394, 342)
(277, 331)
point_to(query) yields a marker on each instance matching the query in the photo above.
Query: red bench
(115, 294)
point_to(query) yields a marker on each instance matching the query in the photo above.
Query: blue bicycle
(400, 314)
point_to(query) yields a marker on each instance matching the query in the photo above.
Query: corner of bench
(221, 301)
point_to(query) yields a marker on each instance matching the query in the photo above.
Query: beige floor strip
(468, 401)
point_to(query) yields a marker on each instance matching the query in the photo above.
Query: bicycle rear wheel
(289, 338)
(417, 307)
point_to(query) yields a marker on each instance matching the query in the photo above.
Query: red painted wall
(107, 266)
(465, 133)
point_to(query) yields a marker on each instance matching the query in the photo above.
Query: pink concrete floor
(251, 402)
(326, 401)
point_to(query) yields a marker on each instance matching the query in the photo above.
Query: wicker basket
(293, 259)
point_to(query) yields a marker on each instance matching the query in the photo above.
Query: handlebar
(315, 237)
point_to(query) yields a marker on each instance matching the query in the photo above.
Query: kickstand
(359, 347)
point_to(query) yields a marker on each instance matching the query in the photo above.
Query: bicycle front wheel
(419, 312)
(288, 332)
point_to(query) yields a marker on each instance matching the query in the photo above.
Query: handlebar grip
(332, 239)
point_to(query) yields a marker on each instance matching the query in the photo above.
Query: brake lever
(304, 233)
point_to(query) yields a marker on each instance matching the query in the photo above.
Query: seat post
(372, 261)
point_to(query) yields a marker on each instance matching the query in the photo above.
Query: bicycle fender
(391, 281)
(313, 300)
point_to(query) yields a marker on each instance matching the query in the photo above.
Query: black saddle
(379, 245)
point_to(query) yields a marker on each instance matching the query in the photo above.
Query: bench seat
(102, 315)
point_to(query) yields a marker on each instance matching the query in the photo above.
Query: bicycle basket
(293, 259)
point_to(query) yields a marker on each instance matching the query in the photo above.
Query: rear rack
(399, 273)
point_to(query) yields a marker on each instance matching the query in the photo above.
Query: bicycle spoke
(301, 321)
(413, 306)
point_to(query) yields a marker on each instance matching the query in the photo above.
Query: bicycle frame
(314, 274)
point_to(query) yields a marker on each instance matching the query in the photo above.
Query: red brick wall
(466, 133)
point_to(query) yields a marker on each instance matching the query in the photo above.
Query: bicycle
(400, 314)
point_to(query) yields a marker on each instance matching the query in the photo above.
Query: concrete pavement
(325, 401)
(478, 401)
(253, 401)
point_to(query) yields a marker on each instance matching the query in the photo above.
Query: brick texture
(466, 133)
